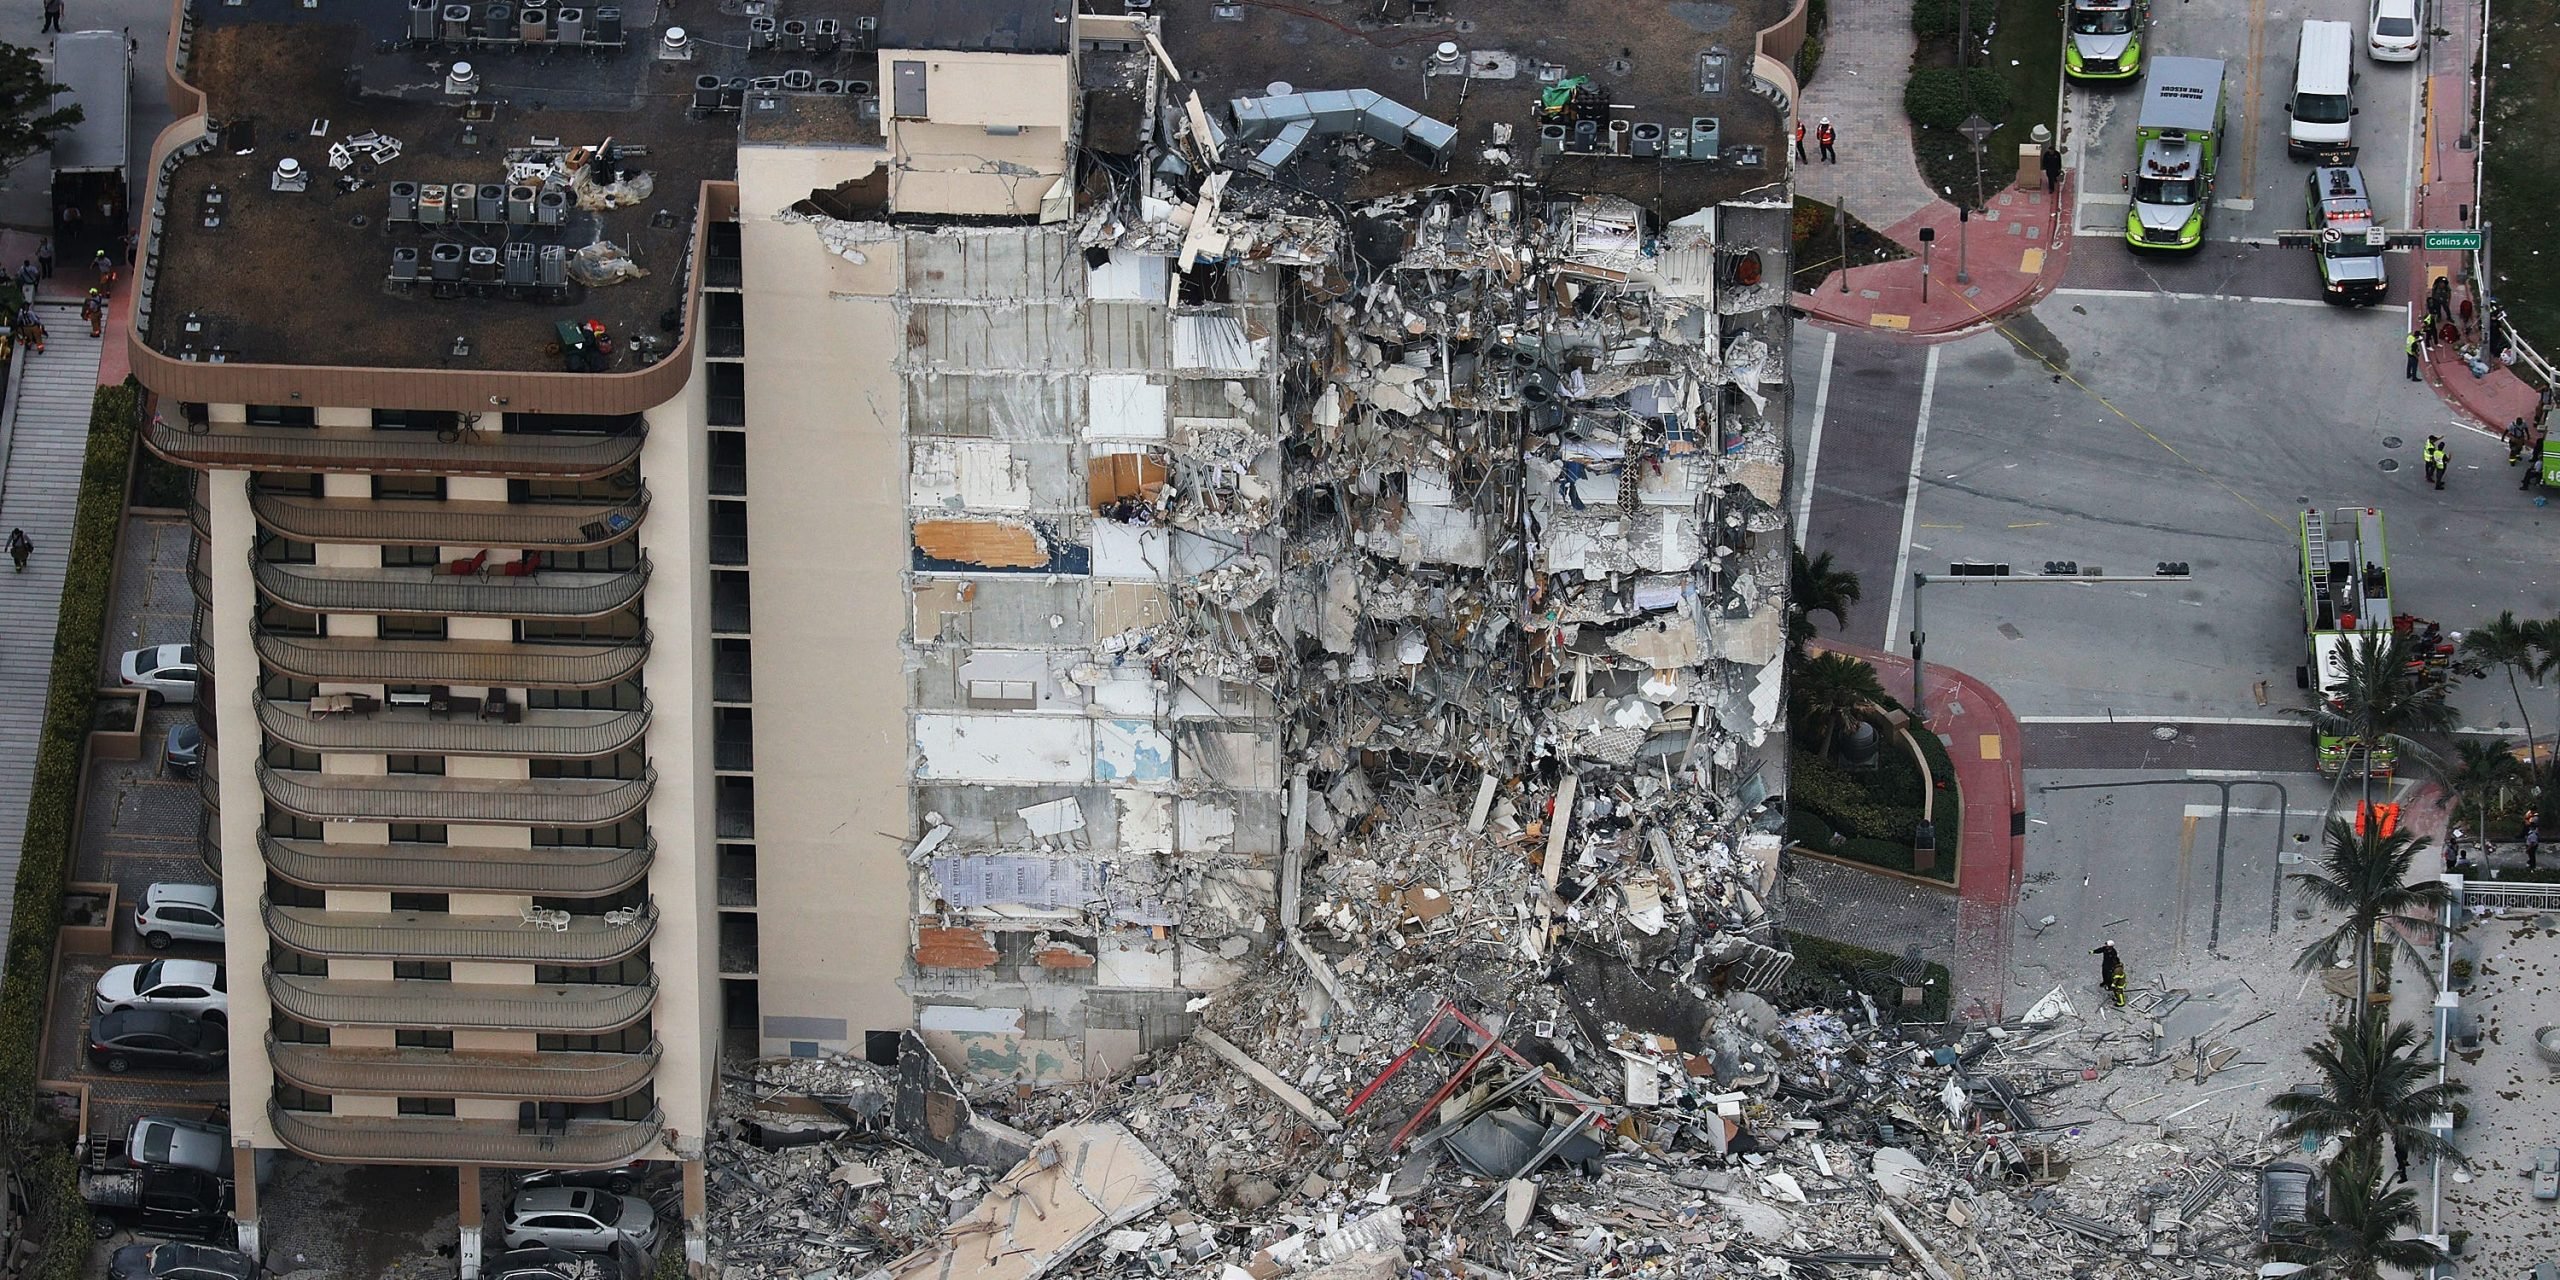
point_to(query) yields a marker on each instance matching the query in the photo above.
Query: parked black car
(130, 1038)
(619, 1179)
(171, 1260)
(162, 1198)
(544, 1263)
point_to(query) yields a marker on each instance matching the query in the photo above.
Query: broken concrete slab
(1075, 1184)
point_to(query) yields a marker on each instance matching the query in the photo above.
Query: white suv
(179, 913)
(2392, 34)
(580, 1218)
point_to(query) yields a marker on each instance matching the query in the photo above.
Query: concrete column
(697, 1247)
(467, 1191)
(244, 1196)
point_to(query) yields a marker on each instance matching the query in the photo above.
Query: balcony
(547, 526)
(516, 455)
(550, 871)
(444, 1140)
(527, 802)
(574, 1009)
(589, 941)
(368, 660)
(551, 734)
(426, 589)
(444, 1073)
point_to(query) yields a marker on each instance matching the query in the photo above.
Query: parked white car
(179, 913)
(2392, 33)
(166, 672)
(182, 986)
(580, 1218)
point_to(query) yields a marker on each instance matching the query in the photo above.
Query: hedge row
(1825, 971)
(45, 859)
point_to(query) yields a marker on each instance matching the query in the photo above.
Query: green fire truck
(2346, 603)
(2104, 40)
(2179, 134)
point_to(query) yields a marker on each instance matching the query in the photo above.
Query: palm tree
(1816, 586)
(2380, 696)
(2355, 1231)
(2367, 877)
(2373, 1087)
(1828, 692)
(2485, 774)
(2509, 645)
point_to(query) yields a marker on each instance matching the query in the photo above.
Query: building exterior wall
(993, 136)
(824, 500)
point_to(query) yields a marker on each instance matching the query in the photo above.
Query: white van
(2317, 116)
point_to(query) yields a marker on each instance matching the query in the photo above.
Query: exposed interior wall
(992, 136)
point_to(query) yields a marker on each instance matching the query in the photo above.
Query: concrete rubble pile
(1441, 1143)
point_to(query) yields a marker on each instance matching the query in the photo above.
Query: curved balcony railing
(526, 802)
(524, 455)
(587, 942)
(546, 526)
(572, 1009)
(549, 871)
(566, 733)
(445, 1073)
(424, 589)
(369, 660)
(445, 1140)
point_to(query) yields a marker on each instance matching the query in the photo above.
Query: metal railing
(548, 526)
(551, 734)
(563, 1009)
(430, 591)
(370, 660)
(2516, 895)
(550, 871)
(530, 802)
(444, 1140)
(588, 941)
(444, 1073)
(527, 455)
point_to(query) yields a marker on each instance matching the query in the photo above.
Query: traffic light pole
(1919, 617)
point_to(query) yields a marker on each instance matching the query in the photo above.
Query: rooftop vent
(404, 265)
(520, 205)
(706, 94)
(606, 24)
(799, 81)
(455, 25)
(825, 35)
(422, 19)
(762, 34)
(795, 33)
(1444, 60)
(289, 175)
(675, 45)
(431, 207)
(462, 80)
(570, 26)
(533, 23)
(1137, 6)
(831, 86)
(498, 22)
(550, 208)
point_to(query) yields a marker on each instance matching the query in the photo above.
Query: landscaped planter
(113, 743)
(89, 918)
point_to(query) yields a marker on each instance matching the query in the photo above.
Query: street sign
(2453, 240)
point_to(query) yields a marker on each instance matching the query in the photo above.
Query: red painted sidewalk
(2448, 185)
(2016, 252)
(1983, 740)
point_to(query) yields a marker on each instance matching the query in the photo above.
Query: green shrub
(1941, 97)
(158, 482)
(1849, 805)
(1934, 19)
(1808, 59)
(52, 812)
(1825, 971)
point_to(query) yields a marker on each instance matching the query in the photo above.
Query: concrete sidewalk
(1866, 58)
(1983, 740)
(2015, 253)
